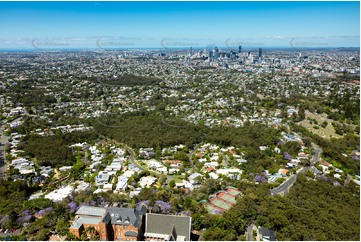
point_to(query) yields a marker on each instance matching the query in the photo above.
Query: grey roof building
(266, 234)
(167, 227)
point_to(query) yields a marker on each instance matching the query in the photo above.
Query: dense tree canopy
(54, 149)
(314, 210)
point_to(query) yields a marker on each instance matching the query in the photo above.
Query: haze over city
(147, 24)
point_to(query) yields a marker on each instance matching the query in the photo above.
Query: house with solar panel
(110, 223)
(222, 200)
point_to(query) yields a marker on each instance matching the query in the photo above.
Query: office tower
(210, 57)
(205, 52)
(260, 52)
(234, 55)
(216, 53)
(240, 49)
(191, 51)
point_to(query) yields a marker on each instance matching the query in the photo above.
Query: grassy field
(328, 132)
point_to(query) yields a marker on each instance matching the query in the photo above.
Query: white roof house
(192, 178)
(102, 178)
(147, 181)
(154, 164)
(211, 164)
(128, 173)
(19, 161)
(108, 187)
(122, 183)
(59, 194)
(162, 170)
(65, 168)
(213, 175)
(114, 166)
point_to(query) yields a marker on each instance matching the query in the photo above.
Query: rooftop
(90, 211)
(164, 225)
(85, 220)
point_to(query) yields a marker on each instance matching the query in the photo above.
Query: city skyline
(126, 25)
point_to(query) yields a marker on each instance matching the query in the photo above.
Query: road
(132, 159)
(348, 179)
(249, 231)
(284, 187)
(316, 156)
(226, 161)
(190, 157)
(3, 141)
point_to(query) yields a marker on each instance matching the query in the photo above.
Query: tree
(42, 235)
(172, 183)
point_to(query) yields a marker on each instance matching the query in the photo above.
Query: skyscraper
(240, 49)
(232, 55)
(216, 53)
(210, 57)
(191, 51)
(260, 52)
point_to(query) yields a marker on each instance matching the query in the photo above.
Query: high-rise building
(260, 52)
(191, 51)
(232, 55)
(240, 49)
(205, 53)
(210, 57)
(216, 53)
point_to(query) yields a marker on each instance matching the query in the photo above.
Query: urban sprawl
(180, 144)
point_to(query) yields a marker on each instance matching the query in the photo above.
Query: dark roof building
(266, 234)
(167, 227)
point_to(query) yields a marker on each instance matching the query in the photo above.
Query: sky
(178, 24)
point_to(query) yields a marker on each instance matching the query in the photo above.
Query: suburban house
(282, 172)
(45, 170)
(159, 227)
(194, 178)
(147, 181)
(122, 184)
(113, 167)
(173, 163)
(102, 178)
(59, 194)
(111, 223)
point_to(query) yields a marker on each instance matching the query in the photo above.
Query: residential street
(284, 187)
(3, 141)
(132, 159)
